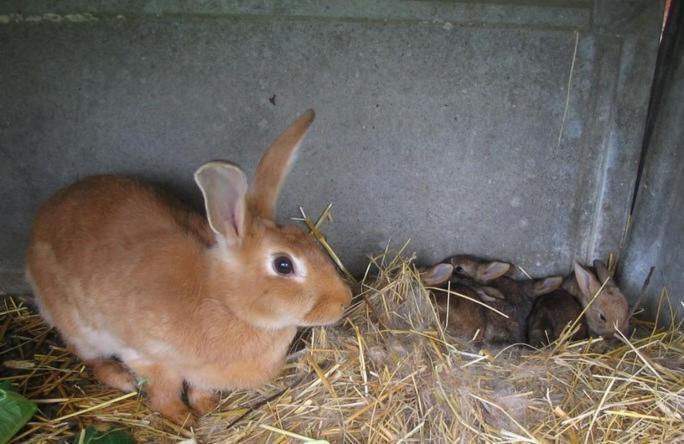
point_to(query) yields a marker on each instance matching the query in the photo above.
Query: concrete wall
(511, 129)
(657, 233)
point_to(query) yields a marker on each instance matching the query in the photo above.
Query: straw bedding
(387, 373)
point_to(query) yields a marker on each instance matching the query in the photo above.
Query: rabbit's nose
(348, 298)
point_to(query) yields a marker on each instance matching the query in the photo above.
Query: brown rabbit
(465, 318)
(608, 311)
(513, 297)
(139, 286)
(478, 269)
(549, 316)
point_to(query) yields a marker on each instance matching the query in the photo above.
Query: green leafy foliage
(15, 411)
(112, 436)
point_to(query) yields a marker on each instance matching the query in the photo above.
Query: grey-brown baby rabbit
(608, 311)
(462, 318)
(513, 297)
(471, 320)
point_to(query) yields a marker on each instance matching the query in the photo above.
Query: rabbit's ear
(224, 187)
(587, 282)
(546, 285)
(493, 270)
(437, 274)
(275, 165)
(601, 271)
(489, 294)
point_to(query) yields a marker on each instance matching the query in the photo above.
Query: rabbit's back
(112, 210)
(550, 315)
(104, 254)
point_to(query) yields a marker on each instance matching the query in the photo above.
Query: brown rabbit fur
(140, 287)
(512, 297)
(608, 311)
(466, 318)
(478, 269)
(463, 319)
(549, 316)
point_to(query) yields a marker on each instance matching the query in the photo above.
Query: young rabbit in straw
(608, 312)
(141, 287)
(478, 269)
(463, 318)
(512, 297)
(468, 319)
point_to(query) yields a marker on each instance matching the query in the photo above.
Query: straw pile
(387, 373)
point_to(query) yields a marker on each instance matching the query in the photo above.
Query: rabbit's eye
(459, 269)
(603, 318)
(283, 265)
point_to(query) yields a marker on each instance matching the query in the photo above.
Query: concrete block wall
(656, 236)
(506, 128)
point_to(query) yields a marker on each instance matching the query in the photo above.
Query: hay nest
(387, 373)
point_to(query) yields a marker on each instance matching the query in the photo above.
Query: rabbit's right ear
(546, 285)
(489, 294)
(601, 271)
(224, 187)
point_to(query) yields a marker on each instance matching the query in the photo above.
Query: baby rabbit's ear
(275, 165)
(493, 270)
(587, 282)
(224, 187)
(489, 294)
(601, 271)
(437, 274)
(546, 285)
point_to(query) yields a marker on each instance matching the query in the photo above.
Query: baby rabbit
(480, 270)
(515, 298)
(608, 311)
(141, 287)
(509, 297)
(463, 318)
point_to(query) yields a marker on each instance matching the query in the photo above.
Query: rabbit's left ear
(437, 274)
(493, 270)
(275, 165)
(224, 187)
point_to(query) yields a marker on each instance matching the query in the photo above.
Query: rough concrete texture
(554, 13)
(657, 234)
(516, 139)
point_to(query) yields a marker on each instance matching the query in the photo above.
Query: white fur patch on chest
(91, 342)
(161, 350)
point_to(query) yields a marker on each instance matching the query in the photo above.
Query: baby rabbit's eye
(459, 269)
(603, 318)
(283, 265)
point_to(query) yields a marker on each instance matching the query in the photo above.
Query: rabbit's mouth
(612, 333)
(324, 313)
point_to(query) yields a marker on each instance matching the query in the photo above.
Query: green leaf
(112, 436)
(15, 411)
